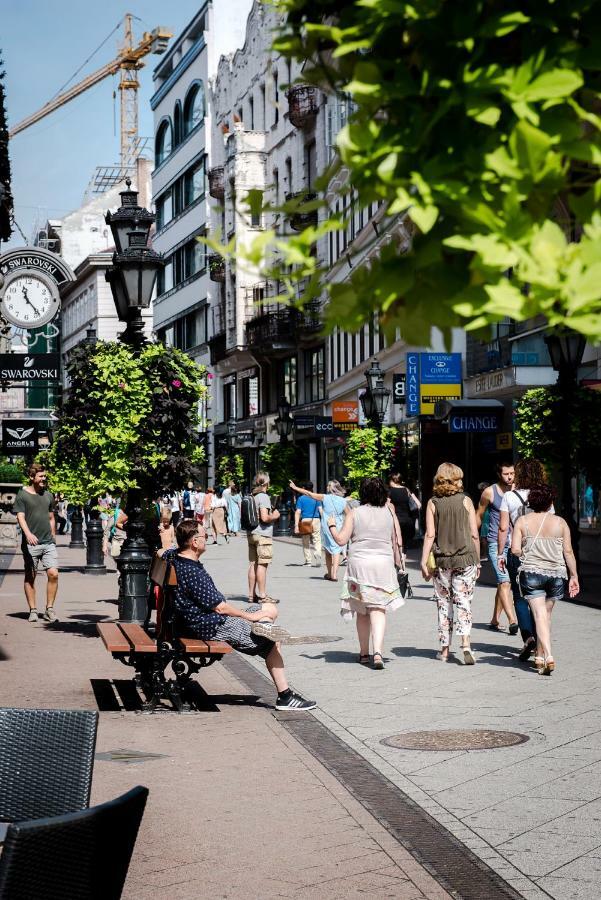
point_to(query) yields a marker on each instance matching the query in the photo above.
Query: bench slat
(112, 637)
(195, 645)
(137, 637)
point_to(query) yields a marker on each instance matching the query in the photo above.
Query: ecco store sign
(23, 367)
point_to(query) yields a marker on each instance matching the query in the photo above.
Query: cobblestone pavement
(238, 808)
(532, 811)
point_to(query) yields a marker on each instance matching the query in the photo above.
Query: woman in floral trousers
(453, 540)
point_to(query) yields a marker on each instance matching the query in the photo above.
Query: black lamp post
(284, 422)
(566, 349)
(231, 433)
(375, 400)
(132, 278)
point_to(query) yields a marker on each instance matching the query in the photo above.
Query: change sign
(19, 436)
(432, 377)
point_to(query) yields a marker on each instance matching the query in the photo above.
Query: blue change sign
(440, 368)
(464, 421)
(413, 384)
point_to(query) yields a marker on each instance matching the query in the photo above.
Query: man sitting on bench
(203, 611)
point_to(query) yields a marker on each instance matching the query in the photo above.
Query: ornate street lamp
(566, 349)
(135, 266)
(375, 400)
(373, 374)
(284, 422)
(132, 278)
(231, 433)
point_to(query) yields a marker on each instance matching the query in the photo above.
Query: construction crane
(129, 61)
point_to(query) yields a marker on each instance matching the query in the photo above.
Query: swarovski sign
(25, 367)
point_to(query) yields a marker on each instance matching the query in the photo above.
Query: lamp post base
(94, 553)
(77, 542)
(134, 565)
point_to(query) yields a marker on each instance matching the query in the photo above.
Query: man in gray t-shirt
(34, 509)
(260, 541)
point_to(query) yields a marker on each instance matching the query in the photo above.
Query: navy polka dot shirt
(195, 596)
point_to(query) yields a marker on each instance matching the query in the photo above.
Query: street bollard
(94, 553)
(134, 565)
(282, 526)
(77, 529)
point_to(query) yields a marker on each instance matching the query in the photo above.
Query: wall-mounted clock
(30, 298)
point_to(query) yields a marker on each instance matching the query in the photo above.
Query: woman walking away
(218, 516)
(371, 586)
(452, 536)
(307, 523)
(406, 506)
(333, 505)
(234, 499)
(208, 508)
(542, 541)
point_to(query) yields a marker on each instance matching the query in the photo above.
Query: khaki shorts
(260, 549)
(34, 554)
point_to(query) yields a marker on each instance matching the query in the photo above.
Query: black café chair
(79, 856)
(46, 762)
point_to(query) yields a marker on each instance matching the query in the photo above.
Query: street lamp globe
(139, 266)
(381, 399)
(367, 405)
(566, 349)
(373, 374)
(284, 408)
(231, 432)
(129, 217)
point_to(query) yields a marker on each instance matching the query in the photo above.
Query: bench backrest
(164, 578)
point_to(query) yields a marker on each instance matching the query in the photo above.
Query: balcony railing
(303, 105)
(217, 182)
(275, 328)
(216, 265)
(302, 217)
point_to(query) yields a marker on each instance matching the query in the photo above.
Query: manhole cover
(455, 739)
(311, 639)
(129, 756)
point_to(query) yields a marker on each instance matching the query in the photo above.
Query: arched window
(177, 124)
(194, 107)
(163, 142)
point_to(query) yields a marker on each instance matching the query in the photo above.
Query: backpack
(524, 509)
(249, 517)
(187, 499)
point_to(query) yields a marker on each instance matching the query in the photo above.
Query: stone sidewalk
(532, 811)
(237, 807)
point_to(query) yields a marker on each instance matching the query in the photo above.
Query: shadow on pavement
(83, 625)
(428, 652)
(334, 656)
(121, 694)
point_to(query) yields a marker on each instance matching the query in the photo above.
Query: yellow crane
(129, 61)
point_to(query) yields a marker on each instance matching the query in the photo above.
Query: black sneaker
(295, 703)
(527, 650)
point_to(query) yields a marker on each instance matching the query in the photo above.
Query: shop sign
(29, 367)
(324, 426)
(413, 384)
(432, 377)
(462, 422)
(317, 426)
(253, 396)
(304, 422)
(399, 384)
(344, 411)
(19, 436)
(504, 440)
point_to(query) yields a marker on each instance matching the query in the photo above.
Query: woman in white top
(371, 585)
(218, 516)
(542, 541)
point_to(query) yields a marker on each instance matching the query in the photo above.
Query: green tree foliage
(128, 421)
(12, 473)
(362, 458)
(282, 462)
(230, 467)
(6, 201)
(541, 424)
(477, 124)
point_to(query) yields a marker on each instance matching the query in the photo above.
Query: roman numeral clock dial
(29, 299)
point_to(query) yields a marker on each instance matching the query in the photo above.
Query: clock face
(29, 300)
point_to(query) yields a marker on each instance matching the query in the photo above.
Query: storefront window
(314, 375)
(289, 380)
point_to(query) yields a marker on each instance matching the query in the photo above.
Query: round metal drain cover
(455, 739)
(312, 639)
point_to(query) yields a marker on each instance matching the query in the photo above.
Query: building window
(177, 124)
(194, 183)
(194, 258)
(315, 376)
(289, 174)
(276, 98)
(353, 350)
(194, 107)
(310, 167)
(289, 380)
(250, 397)
(163, 142)
(263, 109)
(188, 331)
(164, 208)
(251, 111)
(229, 401)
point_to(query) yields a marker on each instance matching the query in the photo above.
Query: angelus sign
(19, 436)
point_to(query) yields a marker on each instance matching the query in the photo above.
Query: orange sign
(345, 411)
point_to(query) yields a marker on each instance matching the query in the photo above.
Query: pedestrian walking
(166, 529)
(188, 501)
(333, 505)
(370, 587)
(529, 473)
(118, 534)
(34, 509)
(307, 523)
(208, 507)
(490, 501)
(219, 516)
(174, 502)
(406, 506)
(452, 538)
(260, 540)
(199, 504)
(106, 506)
(234, 499)
(543, 543)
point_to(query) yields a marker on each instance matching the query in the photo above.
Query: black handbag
(404, 584)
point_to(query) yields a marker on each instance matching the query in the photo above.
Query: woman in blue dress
(333, 504)
(234, 499)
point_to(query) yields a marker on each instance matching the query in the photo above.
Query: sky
(43, 43)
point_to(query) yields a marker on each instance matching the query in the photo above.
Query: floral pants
(454, 587)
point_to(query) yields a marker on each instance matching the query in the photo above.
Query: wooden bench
(150, 655)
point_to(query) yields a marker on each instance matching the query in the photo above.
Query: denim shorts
(533, 585)
(493, 555)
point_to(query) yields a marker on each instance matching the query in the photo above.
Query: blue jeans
(522, 609)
